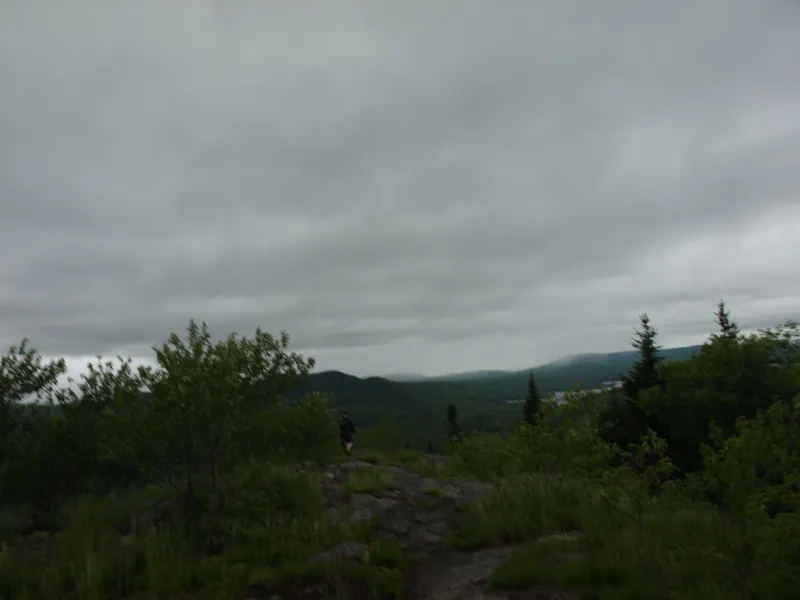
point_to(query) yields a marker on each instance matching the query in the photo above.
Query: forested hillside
(681, 484)
(482, 397)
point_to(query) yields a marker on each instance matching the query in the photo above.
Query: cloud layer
(421, 186)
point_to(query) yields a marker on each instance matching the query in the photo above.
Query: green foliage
(453, 428)
(522, 508)
(300, 431)
(755, 475)
(143, 490)
(454, 431)
(564, 439)
(727, 327)
(644, 373)
(272, 516)
(725, 381)
(647, 530)
(485, 403)
(23, 374)
(683, 485)
(203, 399)
(628, 488)
(383, 437)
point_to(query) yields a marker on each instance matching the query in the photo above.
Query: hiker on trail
(347, 431)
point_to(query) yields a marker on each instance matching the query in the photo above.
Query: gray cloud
(415, 186)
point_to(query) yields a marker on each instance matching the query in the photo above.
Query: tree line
(732, 378)
(685, 480)
(706, 444)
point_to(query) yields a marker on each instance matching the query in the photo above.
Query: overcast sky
(402, 186)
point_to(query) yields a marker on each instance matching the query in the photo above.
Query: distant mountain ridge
(625, 356)
(612, 359)
(485, 399)
(401, 377)
(467, 375)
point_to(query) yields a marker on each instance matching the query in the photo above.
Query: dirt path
(416, 513)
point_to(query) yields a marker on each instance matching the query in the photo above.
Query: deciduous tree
(204, 395)
(24, 375)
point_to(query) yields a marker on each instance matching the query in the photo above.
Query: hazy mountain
(614, 359)
(468, 375)
(401, 377)
(481, 396)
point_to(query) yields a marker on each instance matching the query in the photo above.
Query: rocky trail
(417, 514)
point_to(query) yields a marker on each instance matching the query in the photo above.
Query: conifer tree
(454, 429)
(728, 329)
(533, 401)
(644, 373)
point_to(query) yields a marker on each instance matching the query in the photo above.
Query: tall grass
(574, 537)
(273, 516)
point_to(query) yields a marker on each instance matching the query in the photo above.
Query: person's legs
(347, 444)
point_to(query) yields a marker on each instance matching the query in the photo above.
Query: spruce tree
(728, 329)
(533, 401)
(454, 430)
(644, 373)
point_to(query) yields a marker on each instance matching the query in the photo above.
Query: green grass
(370, 456)
(689, 551)
(600, 575)
(346, 580)
(412, 461)
(273, 523)
(375, 481)
(567, 536)
(517, 511)
(530, 566)
(421, 464)
(377, 575)
(274, 516)
(685, 549)
(82, 566)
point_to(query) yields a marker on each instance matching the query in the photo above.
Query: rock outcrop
(416, 514)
